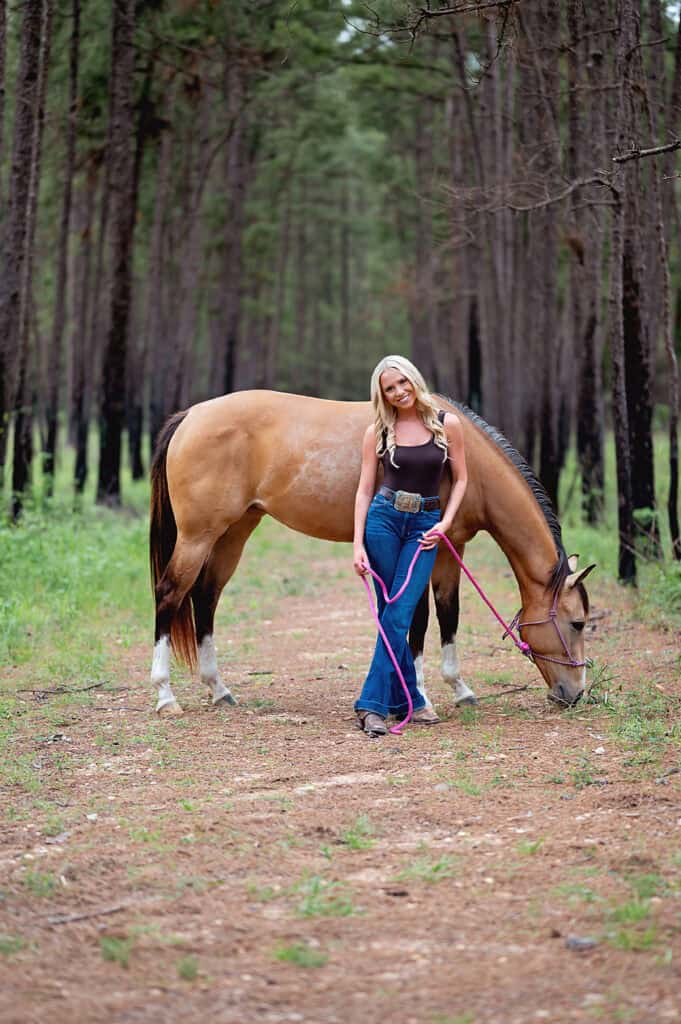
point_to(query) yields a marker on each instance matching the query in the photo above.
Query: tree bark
(16, 226)
(81, 365)
(54, 361)
(122, 187)
(3, 65)
(23, 421)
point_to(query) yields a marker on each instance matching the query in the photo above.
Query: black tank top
(420, 467)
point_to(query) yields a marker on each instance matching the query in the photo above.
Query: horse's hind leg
(171, 591)
(446, 591)
(216, 573)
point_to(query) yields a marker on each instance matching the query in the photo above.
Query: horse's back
(295, 457)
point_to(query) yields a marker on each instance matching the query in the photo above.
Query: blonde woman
(414, 442)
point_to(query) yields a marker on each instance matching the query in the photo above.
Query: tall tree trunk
(587, 263)
(3, 65)
(81, 364)
(16, 225)
(23, 423)
(122, 187)
(626, 44)
(54, 361)
(154, 324)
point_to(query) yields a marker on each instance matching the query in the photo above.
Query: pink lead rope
(508, 630)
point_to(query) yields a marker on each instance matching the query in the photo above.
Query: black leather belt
(404, 501)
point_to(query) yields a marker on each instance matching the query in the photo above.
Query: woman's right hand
(360, 562)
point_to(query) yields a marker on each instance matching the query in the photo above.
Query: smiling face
(397, 389)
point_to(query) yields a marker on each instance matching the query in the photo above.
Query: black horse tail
(162, 538)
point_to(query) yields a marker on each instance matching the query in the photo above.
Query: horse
(223, 464)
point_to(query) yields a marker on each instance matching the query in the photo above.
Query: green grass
(429, 871)
(301, 955)
(116, 950)
(11, 944)
(188, 968)
(360, 836)
(321, 898)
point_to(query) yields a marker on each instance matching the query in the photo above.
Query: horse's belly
(327, 516)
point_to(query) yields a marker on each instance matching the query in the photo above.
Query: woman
(414, 443)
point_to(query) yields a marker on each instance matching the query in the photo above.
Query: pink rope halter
(509, 629)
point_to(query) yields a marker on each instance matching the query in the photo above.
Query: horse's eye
(578, 626)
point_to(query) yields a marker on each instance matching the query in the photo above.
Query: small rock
(580, 944)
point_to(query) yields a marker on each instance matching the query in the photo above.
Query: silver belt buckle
(407, 502)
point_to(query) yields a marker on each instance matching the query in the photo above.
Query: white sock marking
(420, 679)
(451, 673)
(160, 672)
(208, 667)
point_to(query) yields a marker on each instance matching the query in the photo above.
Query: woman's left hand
(431, 537)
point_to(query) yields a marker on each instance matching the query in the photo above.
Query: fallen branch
(70, 918)
(502, 693)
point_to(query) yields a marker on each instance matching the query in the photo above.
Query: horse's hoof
(170, 710)
(225, 700)
(469, 701)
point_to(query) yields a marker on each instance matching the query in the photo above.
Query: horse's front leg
(417, 637)
(446, 591)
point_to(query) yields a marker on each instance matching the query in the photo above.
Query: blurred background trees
(198, 197)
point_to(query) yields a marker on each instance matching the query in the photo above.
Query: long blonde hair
(386, 416)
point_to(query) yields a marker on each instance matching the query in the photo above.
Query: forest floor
(268, 862)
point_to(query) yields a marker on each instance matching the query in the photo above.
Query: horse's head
(556, 635)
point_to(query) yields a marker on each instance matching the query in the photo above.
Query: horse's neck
(521, 531)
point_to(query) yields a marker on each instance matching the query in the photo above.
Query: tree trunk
(3, 64)
(81, 368)
(122, 187)
(54, 362)
(16, 224)
(23, 424)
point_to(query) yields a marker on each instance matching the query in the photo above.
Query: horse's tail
(162, 538)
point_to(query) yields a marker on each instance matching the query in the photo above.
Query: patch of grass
(322, 898)
(459, 1018)
(188, 968)
(429, 871)
(262, 893)
(360, 836)
(11, 944)
(577, 893)
(301, 954)
(632, 939)
(40, 883)
(584, 773)
(630, 912)
(528, 847)
(469, 715)
(116, 950)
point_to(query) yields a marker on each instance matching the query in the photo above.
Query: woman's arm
(365, 492)
(457, 457)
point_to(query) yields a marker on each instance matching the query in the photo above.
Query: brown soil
(457, 865)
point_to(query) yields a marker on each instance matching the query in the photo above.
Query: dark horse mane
(561, 569)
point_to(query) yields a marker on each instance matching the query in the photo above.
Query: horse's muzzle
(563, 695)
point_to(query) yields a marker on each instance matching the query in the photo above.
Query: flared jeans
(390, 540)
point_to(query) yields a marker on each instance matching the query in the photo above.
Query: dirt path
(270, 863)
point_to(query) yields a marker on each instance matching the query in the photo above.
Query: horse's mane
(561, 569)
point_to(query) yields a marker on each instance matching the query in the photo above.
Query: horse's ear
(572, 562)
(579, 577)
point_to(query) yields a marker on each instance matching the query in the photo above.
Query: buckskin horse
(222, 465)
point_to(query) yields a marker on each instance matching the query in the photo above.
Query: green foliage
(429, 871)
(360, 836)
(322, 898)
(301, 954)
(116, 950)
(11, 944)
(188, 968)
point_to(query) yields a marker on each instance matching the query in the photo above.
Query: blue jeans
(390, 539)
